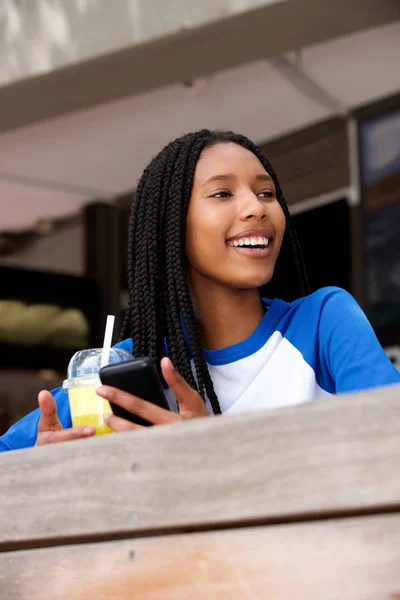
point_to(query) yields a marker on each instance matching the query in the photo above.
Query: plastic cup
(87, 408)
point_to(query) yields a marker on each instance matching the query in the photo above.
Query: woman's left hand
(190, 403)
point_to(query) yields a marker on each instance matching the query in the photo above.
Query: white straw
(107, 340)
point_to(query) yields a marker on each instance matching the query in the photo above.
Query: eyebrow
(230, 176)
(263, 177)
(226, 177)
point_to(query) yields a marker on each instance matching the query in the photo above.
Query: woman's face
(235, 225)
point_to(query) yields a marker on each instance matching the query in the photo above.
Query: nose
(252, 207)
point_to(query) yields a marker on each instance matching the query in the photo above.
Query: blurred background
(90, 90)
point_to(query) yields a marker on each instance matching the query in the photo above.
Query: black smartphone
(139, 377)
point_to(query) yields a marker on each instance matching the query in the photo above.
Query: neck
(225, 316)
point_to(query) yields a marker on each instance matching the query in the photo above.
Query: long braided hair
(160, 316)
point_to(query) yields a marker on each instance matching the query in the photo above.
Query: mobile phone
(139, 377)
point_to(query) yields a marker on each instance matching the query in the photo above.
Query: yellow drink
(94, 420)
(87, 408)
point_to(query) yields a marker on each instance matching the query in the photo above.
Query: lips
(250, 242)
(251, 237)
(254, 243)
(255, 252)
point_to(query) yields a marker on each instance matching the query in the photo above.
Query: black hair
(160, 316)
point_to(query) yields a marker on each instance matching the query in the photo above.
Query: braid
(160, 316)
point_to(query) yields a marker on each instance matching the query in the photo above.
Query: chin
(251, 284)
(256, 280)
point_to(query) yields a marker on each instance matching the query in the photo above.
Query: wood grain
(354, 559)
(334, 456)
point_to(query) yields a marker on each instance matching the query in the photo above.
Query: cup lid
(88, 362)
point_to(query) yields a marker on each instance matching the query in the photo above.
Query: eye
(221, 194)
(267, 194)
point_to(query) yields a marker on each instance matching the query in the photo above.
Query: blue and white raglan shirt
(317, 346)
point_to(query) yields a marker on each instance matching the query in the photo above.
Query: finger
(189, 400)
(118, 424)
(148, 411)
(48, 420)
(64, 435)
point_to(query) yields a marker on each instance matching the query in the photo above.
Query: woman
(217, 283)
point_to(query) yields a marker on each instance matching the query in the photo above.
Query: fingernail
(107, 417)
(88, 430)
(101, 390)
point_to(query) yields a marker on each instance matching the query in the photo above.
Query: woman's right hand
(50, 430)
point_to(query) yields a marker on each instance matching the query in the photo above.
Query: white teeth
(252, 241)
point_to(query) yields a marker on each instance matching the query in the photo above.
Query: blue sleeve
(349, 348)
(23, 433)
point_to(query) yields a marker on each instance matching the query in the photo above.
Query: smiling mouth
(252, 247)
(251, 242)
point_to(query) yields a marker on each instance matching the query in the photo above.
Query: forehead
(227, 157)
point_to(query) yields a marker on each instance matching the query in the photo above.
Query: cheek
(279, 221)
(197, 234)
(205, 239)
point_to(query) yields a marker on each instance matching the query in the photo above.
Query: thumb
(48, 413)
(189, 400)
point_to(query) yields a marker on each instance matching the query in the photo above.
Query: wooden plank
(334, 456)
(349, 559)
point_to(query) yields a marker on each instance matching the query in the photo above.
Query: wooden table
(302, 502)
